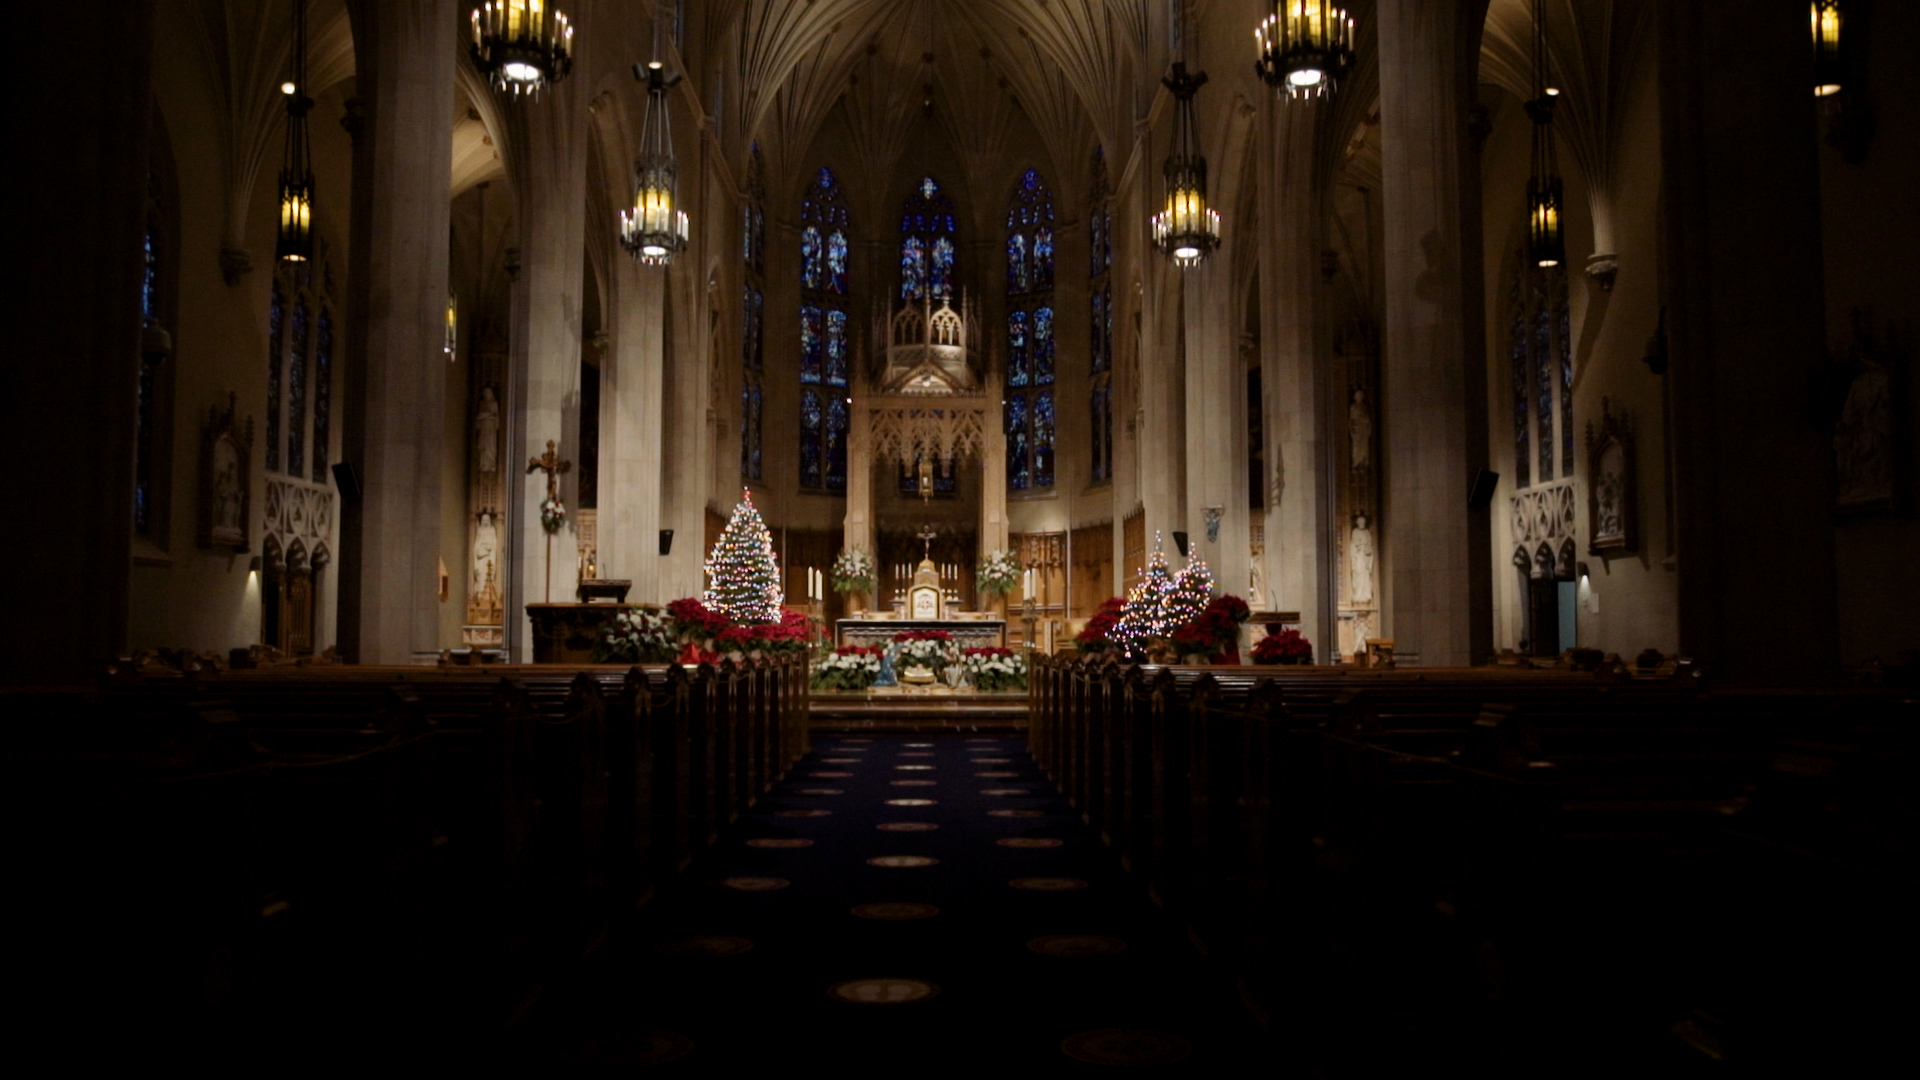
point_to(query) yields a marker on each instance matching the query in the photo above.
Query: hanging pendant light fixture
(522, 45)
(1304, 47)
(654, 231)
(1826, 47)
(1186, 230)
(295, 240)
(1546, 240)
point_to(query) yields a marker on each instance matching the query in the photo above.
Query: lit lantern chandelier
(295, 241)
(1826, 47)
(1304, 47)
(1546, 239)
(654, 231)
(1187, 231)
(522, 45)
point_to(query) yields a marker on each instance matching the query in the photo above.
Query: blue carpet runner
(914, 903)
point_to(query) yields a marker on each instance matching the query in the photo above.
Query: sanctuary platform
(916, 710)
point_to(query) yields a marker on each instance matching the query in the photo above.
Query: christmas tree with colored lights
(1143, 618)
(1192, 591)
(743, 580)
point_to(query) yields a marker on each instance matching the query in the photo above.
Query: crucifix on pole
(553, 513)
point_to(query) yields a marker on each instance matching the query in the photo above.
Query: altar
(967, 633)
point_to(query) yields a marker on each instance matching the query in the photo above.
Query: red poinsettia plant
(1287, 646)
(692, 654)
(1215, 634)
(694, 619)
(792, 633)
(1097, 637)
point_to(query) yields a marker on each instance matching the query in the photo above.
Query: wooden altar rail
(401, 853)
(1527, 859)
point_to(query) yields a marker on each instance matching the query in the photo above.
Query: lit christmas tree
(1144, 616)
(743, 578)
(1191, 593)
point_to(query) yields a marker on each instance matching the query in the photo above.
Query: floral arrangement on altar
(1098, 637)
(853, 571)
(553, 514)
(993, 669)
(998, 573)
(849, 667)
(1214, 635)
(639, 636)
(925, 648)
(1283, 646)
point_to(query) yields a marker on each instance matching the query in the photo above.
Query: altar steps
(911, 712)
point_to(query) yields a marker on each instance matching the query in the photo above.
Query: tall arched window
(823, 335)
(1540, 351)
(1030, 338)
(153, 386)
(753, 249)
(1100, 286)
(927, 233)
(300, 348)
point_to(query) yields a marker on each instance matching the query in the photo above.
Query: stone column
(68, 414)
(993, 468)
(551, 155)
(858, 529)
(1427, 547)
(1299, 570)
(1160, 438)
(397, 279)
(632, 393)
(687, 478)
(1754, 487)
(1216, 427)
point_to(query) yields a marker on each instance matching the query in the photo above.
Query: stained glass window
(276, 309)
(750, 402)
(1100, 289)
(322, 394)
(1540, 354)
(143, 418)
(825, 356)
(1520, 357)
(1543, 352)
(1030, 342)
(297, 391)
(927, 228)
(1563, 326)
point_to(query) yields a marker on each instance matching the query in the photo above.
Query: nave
(901, 903)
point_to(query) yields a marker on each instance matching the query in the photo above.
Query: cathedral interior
(1546, 365)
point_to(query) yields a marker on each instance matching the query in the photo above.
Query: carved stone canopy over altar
(928, 401)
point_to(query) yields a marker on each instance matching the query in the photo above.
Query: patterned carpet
(900, 903)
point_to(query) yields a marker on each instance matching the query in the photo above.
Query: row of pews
(350, 858)
(1530, 872)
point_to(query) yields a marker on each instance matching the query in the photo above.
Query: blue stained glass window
(297, 391)
(1543, 353)
(1042, 273)
(837, 348)
(1043, 439)
(837, 262)
(1100, 359)
(276, 308)
(813, 271)
(1019, 468)
(1019, 368)
(1563, 323)
(752, 303)
(837, 443)
(1518, 357)
(942, 271)
(812, 423)
(1042, 346)
(812, 343)
(1016, 263)
(149, 278)
(913, 269)
(927, 227)
(322, 395)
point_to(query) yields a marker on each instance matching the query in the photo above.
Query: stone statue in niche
(1360, 432)
(1863, 437)
(1257, 574)
(226, 479)
(1360, 561)
(486, 547)
(1612, 514)
(486, 433)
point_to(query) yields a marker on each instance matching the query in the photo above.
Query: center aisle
(900, 902)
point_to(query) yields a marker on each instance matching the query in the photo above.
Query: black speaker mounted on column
(1480, 496)
(666, 541)
(1180, 541)
(346, 477)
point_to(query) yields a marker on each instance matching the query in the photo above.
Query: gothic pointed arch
(825, 339)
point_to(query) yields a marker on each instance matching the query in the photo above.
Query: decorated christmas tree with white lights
(1144, 616)
(743, 580)
(1191, 593)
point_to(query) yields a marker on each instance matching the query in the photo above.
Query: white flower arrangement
(553, 513)
(638, 636)
(853, 571)
(998, 573)
(926, 653)
(996, 669)
(847, 668)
